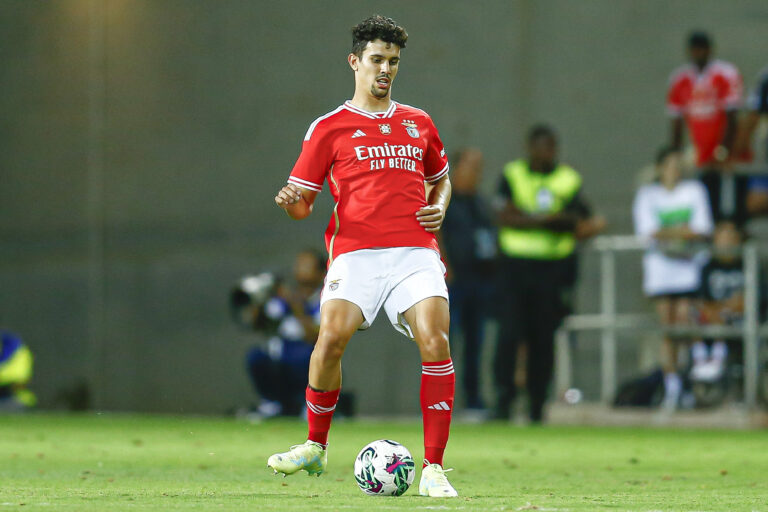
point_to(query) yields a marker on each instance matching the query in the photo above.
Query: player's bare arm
(296, 201)
(438, 197)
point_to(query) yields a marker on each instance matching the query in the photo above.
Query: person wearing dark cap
(705, 95)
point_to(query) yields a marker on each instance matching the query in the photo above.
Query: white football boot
(310, 456)
(434, 482)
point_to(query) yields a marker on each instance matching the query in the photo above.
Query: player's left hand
(431, 217)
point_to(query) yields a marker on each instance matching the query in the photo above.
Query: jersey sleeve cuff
(443, 172)
(305, 184)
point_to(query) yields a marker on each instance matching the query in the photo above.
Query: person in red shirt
(706, 93)
(387, 172)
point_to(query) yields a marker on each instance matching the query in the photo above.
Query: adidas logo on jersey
(358, 133)
(442, 406)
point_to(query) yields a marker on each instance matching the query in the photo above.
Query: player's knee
(434, 345)
(330, 345)
(328, 353)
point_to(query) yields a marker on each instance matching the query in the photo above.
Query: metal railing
(608, 322)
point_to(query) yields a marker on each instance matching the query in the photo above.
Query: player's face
(376, 69)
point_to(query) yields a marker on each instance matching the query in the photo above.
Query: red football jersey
(376, 164)
(703, 99)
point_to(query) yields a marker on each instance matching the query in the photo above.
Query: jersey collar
(372, 115)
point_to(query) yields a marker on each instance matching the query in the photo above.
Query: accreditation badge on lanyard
(544, 199)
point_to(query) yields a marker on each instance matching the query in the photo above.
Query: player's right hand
(288, 195)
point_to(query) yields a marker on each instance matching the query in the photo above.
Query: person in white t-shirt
(674, 214)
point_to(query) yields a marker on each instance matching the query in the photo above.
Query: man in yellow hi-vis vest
(541, 216)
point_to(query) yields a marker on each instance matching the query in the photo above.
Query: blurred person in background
(721, 299)
(291, 315)
(542, 212)
(469, 250)
(757, 107)
(674, 214)
(705, 95)
(15, 373)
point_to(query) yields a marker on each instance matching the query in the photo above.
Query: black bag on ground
(641, 392)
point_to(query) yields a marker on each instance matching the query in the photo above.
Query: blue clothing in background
(758, 99)
(8, 346)
(469, 241)
(279, 370)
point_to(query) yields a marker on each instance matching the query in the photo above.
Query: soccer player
(376, 155)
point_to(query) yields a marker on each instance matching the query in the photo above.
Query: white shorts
(395, 277)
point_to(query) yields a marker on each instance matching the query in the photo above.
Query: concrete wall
(141, 144)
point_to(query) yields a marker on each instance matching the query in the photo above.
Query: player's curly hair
(377, 27)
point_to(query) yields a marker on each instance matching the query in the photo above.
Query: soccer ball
(384, 468)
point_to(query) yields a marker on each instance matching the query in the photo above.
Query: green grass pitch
(121, 462)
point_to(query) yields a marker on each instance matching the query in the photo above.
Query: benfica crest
(411, 128)
(385, 129)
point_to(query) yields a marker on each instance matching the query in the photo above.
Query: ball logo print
(384, 468)
(365, 476)
(385, 129)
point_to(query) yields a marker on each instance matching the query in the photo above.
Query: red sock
(437, 387)
(320, 407)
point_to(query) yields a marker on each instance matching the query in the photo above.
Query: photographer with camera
(290, 317)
